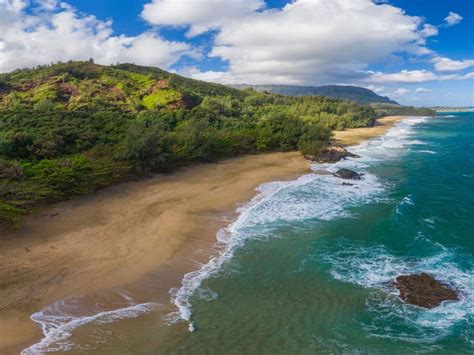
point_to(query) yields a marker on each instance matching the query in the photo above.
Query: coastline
(117, 235)
(355, 136)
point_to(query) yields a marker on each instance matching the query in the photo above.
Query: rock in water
(347, 174)
(423, 290)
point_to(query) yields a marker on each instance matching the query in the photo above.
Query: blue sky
(418, 52)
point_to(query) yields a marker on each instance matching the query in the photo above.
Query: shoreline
(118, 235)
(355, 136)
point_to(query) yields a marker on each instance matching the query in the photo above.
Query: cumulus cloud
(457, 76)
(404, 76)
(32, 38)
(200, 15)
(429, 30)
(400, 92)
(413, 77)
(446, 64)
(48, 4)
(453, 19)
(305, 42)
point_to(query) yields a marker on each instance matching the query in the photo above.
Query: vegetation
(71, 128)
(452, 109)
(395, 110)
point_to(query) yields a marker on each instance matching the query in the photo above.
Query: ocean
(308, 265)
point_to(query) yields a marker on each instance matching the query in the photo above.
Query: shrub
(10, 170)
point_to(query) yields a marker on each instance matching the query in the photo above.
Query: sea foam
(376, 268)
(59, 320)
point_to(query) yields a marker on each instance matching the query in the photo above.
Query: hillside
(71, 128)
(351, 93)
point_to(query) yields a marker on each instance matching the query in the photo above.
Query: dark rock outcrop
(332, 154)
(347, 174)
(423, 290)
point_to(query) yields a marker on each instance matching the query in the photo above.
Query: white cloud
(306, 42)
(48, 4)
(64, 34)
(457, 76)
(400, 92)
(422, 90)
(429, 30)
(376, 89)
(446, 64)
(14, 6)
(413, 77)
(200, 15)
(405, 76)
(453, 19)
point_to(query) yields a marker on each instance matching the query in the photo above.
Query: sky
(417, 52)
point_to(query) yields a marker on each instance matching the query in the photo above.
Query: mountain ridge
(356, 94)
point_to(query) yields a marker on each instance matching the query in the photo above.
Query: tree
(146, 146)
(315, 139)
(278, 131)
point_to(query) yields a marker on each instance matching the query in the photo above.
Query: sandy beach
(357, 135)
(117, 235)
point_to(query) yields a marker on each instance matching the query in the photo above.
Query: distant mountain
(351, 93)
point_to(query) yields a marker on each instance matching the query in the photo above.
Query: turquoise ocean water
(307, 267)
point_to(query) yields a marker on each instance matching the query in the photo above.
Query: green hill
(342, 92)
(70, 128)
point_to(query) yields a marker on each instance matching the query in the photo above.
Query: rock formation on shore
(332, 154)
(423, 290)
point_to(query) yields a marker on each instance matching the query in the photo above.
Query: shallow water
(307, 267)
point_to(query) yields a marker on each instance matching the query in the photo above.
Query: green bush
(10, 170)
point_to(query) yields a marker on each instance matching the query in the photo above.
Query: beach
(117, 235)
(355, 136)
